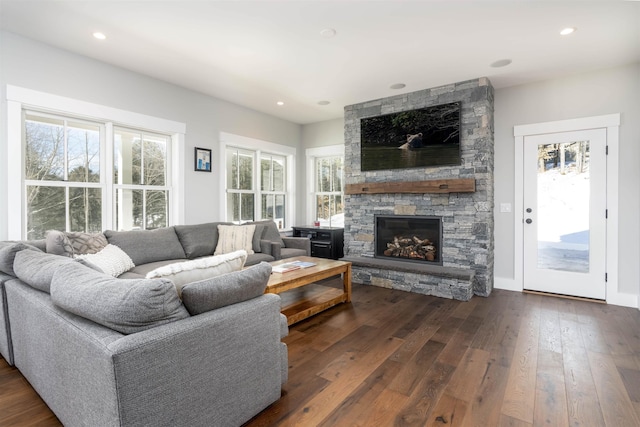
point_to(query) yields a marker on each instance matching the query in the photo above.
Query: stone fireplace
(461, 196)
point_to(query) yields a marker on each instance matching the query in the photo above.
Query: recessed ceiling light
(397, 86)
(567, 31)
(327, 33)
(99, 35)
(323, 102)
(280, 103)
(500, 63)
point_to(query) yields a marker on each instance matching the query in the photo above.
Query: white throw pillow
(234, 238)
(182, 273)
(111, 260)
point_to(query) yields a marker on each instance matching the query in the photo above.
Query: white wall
(584, 95)
(40, 67)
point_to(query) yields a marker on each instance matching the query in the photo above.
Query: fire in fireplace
(409, 238)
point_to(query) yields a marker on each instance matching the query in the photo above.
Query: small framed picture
(203, 160)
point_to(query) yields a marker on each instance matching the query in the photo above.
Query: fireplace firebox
(409, 238)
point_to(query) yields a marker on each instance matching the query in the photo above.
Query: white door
(565, 213)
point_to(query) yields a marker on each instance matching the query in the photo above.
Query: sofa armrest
(222, 365)
(298, 243)
(265, 247)
(271, 248)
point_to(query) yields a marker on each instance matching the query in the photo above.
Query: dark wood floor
(398, 359)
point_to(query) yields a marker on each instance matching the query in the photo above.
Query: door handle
(528, 221)
(528, 210)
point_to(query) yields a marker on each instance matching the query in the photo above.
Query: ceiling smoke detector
(397, 86)
(327, 33)
(500, 63)
(323, 102)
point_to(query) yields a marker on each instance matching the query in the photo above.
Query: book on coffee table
(290, 266)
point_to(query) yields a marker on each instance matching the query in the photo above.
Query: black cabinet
(326, 242)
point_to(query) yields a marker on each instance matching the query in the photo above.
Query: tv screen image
(423, 137)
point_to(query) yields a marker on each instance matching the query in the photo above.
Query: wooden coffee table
(324, 268)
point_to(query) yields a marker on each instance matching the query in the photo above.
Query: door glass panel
(563, 206)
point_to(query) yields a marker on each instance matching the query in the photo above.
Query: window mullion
(141, 160)
(106, 178)
(66, 209)
(144, 209)
(65, 161)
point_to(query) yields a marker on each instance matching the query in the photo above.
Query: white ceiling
(255, 53)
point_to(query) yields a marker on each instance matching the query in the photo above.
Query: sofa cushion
(126, 306)
(195, 270)
(291, 252)
(111, 260)
(145, 246)
(257, 236)
(258, 258)
(234, 238)
(36, 268)
(74, 243)
(232, 288)
(198, 240)
(8, 251)
(271, 232)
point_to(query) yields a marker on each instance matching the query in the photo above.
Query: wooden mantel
(458, 185)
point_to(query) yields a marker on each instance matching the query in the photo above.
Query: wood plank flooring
(392, 358)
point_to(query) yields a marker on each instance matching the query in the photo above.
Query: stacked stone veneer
(467, 217)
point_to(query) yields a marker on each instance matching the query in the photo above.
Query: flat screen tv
(411, 139)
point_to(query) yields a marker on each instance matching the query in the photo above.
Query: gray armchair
(281, 247)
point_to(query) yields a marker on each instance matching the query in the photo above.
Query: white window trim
(611, 123)
(311, 155)
(19, 98)
(259, 146)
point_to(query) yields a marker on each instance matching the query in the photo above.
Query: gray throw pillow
(271, 232)
(198, 240)
(71, 243)
(231, 288)
(36, 268)
(8, 251)
(124, 305)
(57, 243)
(145, 246)
(257, 236)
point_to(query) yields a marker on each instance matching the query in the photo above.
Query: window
(88, 167)
(63, 188)
(140, 171)
(240, 190)
(328, 195)
(272, 172)
(258, 180)
(325, 167)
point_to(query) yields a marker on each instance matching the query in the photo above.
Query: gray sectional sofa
(128, 351)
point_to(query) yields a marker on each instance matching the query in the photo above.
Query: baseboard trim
(506, 284)
(624, 300)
